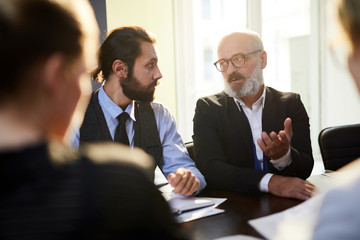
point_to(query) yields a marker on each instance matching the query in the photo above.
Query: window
(199, 25)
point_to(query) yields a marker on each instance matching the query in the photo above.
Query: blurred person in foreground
(123, 109)
(49, 191)
(339, 216)
(250, 137)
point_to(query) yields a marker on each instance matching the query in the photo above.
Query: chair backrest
(339, 145)
(190, 148)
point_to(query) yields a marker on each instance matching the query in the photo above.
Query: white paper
(180, 205)
(294, 223)
(201, 213)
(324, 181)
(238, 237)
(167, 193)
(204, 212)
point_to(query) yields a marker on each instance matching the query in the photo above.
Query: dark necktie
(120, 132)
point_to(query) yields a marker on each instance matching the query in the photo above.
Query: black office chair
(339, 145)
(190, 148)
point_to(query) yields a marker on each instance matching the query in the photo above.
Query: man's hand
(183, 182)
(291, 187)
(276, 145)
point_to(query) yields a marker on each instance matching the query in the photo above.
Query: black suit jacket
(223, 146)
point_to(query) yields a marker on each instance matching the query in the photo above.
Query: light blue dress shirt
(174, 151)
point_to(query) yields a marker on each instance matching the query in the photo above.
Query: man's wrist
(282, 162)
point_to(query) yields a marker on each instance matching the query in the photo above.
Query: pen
(326, 175)
(161, 185)
(179, 211)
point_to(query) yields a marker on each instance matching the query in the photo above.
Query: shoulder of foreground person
(121, 196)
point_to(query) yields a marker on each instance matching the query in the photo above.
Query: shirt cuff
(282, 162)
(264, 182)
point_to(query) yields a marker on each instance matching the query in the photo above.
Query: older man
(252, 138)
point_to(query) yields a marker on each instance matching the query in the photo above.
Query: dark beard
(134, 90)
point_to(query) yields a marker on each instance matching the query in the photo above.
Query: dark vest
(95, 129)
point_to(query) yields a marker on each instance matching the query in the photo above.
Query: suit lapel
(239, 126)
(270, 113)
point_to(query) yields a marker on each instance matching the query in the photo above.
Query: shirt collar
(112, 108)
(259, 103)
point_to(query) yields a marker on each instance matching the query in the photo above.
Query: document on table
(298, 222)
(187, 209)
(238, 237)
(179, 205)
(197, 213)
(325, 180)
(294, 223)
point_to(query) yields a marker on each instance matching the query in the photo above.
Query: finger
(261, 144)
(186, 191)
(273, 136)
(288, 127)
(275, 139)
(302, 196)
(311, 188)
(307, 190)
(174, 179)
(194, 187)
(266, 139)
(299, 192)
(180, 188)
(309, 184)
(284, 138)
(184, 178)
(171, 177)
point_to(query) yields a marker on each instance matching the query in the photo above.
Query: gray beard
(250, 87)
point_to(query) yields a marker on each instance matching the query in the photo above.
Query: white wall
(340, 101)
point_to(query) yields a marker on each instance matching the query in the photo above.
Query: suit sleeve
(210, 154)
(301, 151)
(174, 151)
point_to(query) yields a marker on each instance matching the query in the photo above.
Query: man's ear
(263, 59)
(120, 69)
(53, 72)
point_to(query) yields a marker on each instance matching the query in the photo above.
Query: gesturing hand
(183, 182)
(276, 145)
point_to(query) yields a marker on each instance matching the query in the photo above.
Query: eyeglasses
(238, 60)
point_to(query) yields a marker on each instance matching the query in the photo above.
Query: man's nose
(157, 74)
(231, 69)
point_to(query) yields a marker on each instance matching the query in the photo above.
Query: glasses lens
(221, 65)
(238, 60)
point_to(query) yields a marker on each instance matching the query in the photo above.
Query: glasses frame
(231, 60)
